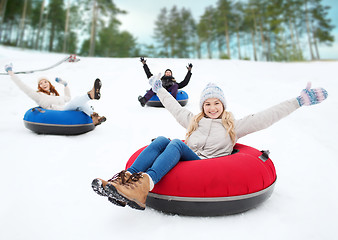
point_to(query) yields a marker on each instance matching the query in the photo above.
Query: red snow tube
(216, 186)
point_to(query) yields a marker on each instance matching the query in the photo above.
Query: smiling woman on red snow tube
(216, 186)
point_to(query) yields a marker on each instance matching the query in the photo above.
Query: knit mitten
(59, 80)
(189, 67)
(143, 60)
(155, 82)
(312, 96)
(9, 67)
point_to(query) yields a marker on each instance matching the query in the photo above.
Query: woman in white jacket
(210, 134)
(48, 97)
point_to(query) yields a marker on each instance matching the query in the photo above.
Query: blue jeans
(161, 156)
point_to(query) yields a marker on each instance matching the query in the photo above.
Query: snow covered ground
(46, 180)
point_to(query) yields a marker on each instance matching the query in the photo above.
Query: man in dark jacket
(168, 82)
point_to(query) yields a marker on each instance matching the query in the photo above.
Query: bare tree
(40, 25)
(19, 41)
(66, 28)
(308, 30)
(93, 30)
(3, 6)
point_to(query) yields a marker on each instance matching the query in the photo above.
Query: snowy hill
(46, 192)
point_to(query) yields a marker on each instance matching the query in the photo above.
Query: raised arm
(145, 67)
(67, 95)
(23, 87)
(187, 78)
(181, 114)
(43, 100)
(266, 118)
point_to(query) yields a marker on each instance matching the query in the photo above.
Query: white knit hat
(212, 91)
(42, 78)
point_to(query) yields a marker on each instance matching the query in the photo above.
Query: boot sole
(115, 194)
(103, 119)
(141, 102)
(98, 187)
(100, 190)
(117, 202)
(97, 87)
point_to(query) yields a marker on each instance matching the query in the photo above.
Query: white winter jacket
(42, 99)
(210, 139)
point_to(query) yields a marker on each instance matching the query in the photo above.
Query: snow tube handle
(39, 109)
(265, 155)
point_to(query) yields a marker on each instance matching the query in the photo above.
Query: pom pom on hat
(212, 91)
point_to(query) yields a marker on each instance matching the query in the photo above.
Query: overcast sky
(140, 20)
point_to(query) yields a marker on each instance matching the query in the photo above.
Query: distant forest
(260, 30)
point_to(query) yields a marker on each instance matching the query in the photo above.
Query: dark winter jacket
(168, 81)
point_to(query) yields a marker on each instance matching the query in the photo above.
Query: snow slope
(46, 192)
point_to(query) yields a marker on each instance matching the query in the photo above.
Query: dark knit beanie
(169, 71)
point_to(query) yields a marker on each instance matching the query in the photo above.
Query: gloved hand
(143, 60)
(189, 67)
(312, 96)
(155, 82)
(9, 67)
(59, 80)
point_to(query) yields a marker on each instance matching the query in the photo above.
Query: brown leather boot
(97, 120)
(99, 185)
(95, 92)
(134, 192)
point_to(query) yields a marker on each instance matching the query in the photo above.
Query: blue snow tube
(182, 98)
(44, 121)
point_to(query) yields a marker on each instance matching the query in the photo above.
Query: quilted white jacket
(210, 139)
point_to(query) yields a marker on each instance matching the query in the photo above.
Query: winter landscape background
(46, 180)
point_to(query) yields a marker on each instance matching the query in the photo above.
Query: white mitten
(155, 82)
(59, 80)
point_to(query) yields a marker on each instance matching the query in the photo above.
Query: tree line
(60, 25)
(267, 30)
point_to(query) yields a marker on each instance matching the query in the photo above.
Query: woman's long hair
(52, 90)
(227, 121)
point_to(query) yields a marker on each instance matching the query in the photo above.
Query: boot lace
(119, 176)
(133, 179)
(95, 114)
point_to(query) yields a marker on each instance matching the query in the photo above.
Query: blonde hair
(227, 121)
